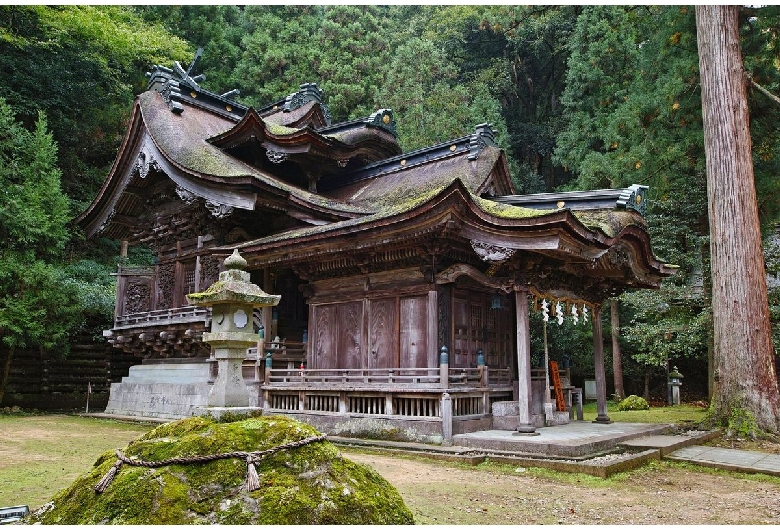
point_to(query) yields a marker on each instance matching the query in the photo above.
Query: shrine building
(406, 279)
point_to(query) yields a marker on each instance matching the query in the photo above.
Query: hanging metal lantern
(497, 302)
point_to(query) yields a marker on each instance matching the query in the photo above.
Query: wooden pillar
(268, 288)
(598, 365)
(524, 394)
(433, 328)
(198, 265)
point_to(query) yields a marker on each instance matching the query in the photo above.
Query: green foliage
(38, 306)
(353, 55)
(737, 419)
(81, 65)
(633, 402)
(665, 325)
(422, 92)
(33, 210)
(278, 54)
(218, 29)
(742, 424)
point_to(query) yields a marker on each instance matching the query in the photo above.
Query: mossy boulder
(307, 485)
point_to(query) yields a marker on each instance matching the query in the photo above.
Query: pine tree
(38, 306)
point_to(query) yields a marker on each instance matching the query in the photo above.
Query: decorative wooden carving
(277, 157)
(488, 252)
(145, 163)
(185, 195)
(209, 271)
(444, 299)
(220, 211)
(137, 296)
(166, 281)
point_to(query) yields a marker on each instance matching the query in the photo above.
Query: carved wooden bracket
(450, 274)
(492, 253)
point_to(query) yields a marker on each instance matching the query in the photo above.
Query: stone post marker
(232, 299)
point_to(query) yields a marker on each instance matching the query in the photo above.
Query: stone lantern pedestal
(232, 299)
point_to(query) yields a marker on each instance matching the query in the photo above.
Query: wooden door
(383, 333)
(324, 346)
(413, 337)
(349, 328)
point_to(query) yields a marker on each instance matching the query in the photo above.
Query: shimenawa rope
(252, 480)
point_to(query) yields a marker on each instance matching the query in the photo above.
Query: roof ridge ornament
(483, 136)
(171, 82)
(308, 92)
(383, 118)
(633, 198)
(185, 75)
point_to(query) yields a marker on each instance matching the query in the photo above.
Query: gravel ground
(659, 493)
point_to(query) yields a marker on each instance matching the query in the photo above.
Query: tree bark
(6, 373)
(617, 362)
(742, 333)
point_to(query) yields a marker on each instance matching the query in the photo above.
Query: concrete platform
(730, 459)
(576, 439)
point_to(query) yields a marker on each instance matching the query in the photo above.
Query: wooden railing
(164, 316)
(384, 377)
(418, 403)
(375, 376)
(499, 376)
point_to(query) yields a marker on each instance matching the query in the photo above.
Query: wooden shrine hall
(406, 279)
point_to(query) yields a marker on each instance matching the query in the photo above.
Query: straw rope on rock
(251, 458)
(258, 470)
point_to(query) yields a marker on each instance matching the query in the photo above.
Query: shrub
(633, 403)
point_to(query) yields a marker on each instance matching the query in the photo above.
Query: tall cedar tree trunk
(742, 334)
(6, 372)
(617, 363)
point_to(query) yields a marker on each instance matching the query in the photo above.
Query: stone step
(667, 443)
(181, 373)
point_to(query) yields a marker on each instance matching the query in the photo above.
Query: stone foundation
(168, 391)
(506, 416)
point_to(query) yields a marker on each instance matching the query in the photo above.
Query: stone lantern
(232, 299)
(674, 386)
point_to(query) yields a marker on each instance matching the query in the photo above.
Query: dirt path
(662, 493)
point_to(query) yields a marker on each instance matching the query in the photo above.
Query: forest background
(582, 97)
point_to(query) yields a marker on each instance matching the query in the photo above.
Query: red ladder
(556, 377)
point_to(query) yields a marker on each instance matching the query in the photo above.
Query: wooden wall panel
(383, 333)
(460, 320)
(349, 324)
(414, 332)
(324, 335)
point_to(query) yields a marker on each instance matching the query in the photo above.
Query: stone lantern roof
(234, 286)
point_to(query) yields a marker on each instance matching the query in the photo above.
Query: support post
(268, 365)
(446, 419)
(598, 365)
(444, 367)
(524, 394)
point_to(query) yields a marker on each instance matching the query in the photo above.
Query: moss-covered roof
(308, 485)
(610, 222)
(182, 138)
